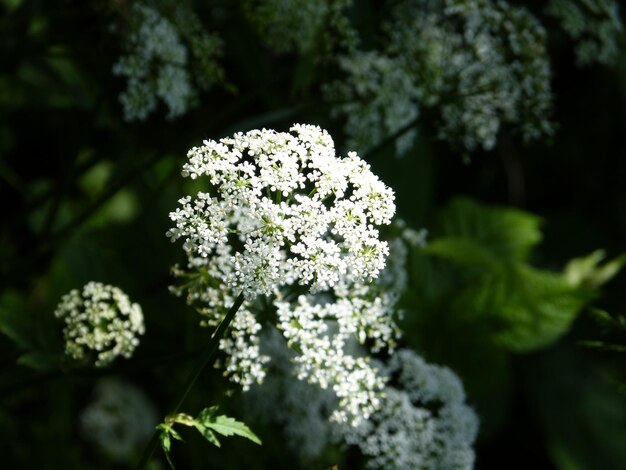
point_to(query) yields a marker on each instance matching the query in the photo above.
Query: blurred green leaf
(509, 234)
(534, 308)
(587, 271)
(38, 361)
(462, 250)
(15, 321)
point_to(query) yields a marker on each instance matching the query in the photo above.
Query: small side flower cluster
(119, 420)
(478, 64)
(423, 421)
(322, 331)
(203, 287)
(281, 214)
(320, 24)
(595, 25)
(101, 320)
(163, 62)
(304, 409)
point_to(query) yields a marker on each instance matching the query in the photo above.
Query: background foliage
(494, 295)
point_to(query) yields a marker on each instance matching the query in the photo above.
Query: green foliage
(474, 276)
(588, 272)
(486, 249)
(208, 423)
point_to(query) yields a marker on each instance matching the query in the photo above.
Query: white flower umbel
(166, 60)
(287, 207)
(474, 65)
(282, 213)
(321, 24)
(423, 421)
(100, 320)
(595, 25)
(119, 420)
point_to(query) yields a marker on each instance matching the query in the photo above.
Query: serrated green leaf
(166, 443)
(225, 425)
(208, 435)
(180, 418)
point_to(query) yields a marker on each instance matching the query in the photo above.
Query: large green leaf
(534, 308)
(508, 234)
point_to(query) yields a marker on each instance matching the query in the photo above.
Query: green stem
(205, 359)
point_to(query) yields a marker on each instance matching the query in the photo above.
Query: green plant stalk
(205, 359)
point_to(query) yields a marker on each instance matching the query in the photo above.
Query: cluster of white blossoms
(322, 330)
(203, 286)
(423, 421)
(379, 99)
(165, 62)
(119, 420)
(100, 320)
(283, 209)
(305, 408)
(595, 25)
(476, 65)
(281, 213)
(320, 24)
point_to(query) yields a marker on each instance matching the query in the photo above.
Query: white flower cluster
(203, 287)
(282, 208)
(119, 420)
(595, 25)
(379, 99)
(301, 25)
(322, 331)
(157, 62)
(282, 211)
(304, 411)
(101, 320)
(478, 64)
(423, 421)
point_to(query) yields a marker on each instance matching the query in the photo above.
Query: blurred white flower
(595, 25)
(119, 420)
(475, 65)
(164, 61)
(423, 421)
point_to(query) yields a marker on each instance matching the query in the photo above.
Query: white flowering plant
(271, 291)
(282, 212)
